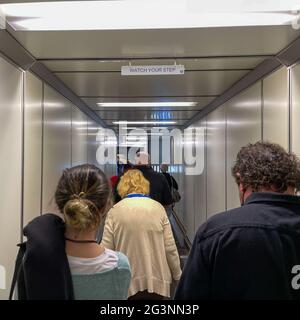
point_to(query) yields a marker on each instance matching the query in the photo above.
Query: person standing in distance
(159, 188)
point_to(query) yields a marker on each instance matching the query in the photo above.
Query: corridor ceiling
(89, 63)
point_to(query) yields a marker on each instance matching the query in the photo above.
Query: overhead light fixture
(144, 128)
(144, 122)
(80, 123)
(145, 104)
(147, 14)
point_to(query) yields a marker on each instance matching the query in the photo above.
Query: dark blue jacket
(247, 253)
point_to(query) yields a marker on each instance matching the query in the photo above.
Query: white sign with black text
(152, 70)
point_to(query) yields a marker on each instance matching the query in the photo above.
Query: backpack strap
(172, 192)
(18, 267)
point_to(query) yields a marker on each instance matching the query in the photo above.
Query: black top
(246, 253)
(46, 265)
(159, 188)
(171, 180)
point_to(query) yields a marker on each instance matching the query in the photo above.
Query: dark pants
(145, 295)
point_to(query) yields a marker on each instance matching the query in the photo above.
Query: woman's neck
(86, 235)
(84, 249)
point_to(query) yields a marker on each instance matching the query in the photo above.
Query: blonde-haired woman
(139, 227)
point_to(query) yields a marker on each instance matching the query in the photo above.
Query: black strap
(171, 182)
(18, 267)
(81, 241)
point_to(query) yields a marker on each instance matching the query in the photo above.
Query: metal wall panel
(179, 177)
(79, 137)
(92, 146)
(200, 182)
(295, 133)
(33, 127)
(189, 205)
(188, 196)
(216, 161)
(56, 143)
(275, 108)
(243, 127)
(10, 170)
(192, 187)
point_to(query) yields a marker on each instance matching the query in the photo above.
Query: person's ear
(242, 189)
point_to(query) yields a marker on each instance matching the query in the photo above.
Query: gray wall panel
(92, 143)
(189, 205)
(79, 137)
(243, 127)
(10, 170)
(275, 107)
(32, 147)
(295, 78)
(200, 184)
(216, 161)
(57, 143)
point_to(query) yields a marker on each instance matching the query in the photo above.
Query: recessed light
(147, 14)
(144, 122)
(145, 104)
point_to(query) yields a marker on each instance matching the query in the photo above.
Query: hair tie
(78, 196)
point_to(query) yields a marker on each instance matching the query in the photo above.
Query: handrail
(179, 222)
(183, 229)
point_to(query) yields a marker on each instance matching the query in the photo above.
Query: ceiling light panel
(145, 104)
(148, 14)
(144, 122)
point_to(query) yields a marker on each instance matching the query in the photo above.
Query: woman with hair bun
(62, 259)
(84, 196)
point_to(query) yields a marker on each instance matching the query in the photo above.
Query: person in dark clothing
(171, 180)
(159, 188)
(251, 252)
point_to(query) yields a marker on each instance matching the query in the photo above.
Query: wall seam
(42, 147)
(87, 141)
(262, 109)
(22, 156)
(195, 203)
(226, 162)
(290, 113)
(71, 163)
(205, 150)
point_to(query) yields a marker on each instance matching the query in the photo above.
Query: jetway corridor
(190, 95)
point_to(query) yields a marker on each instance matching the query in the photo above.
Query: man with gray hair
(159, 188)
